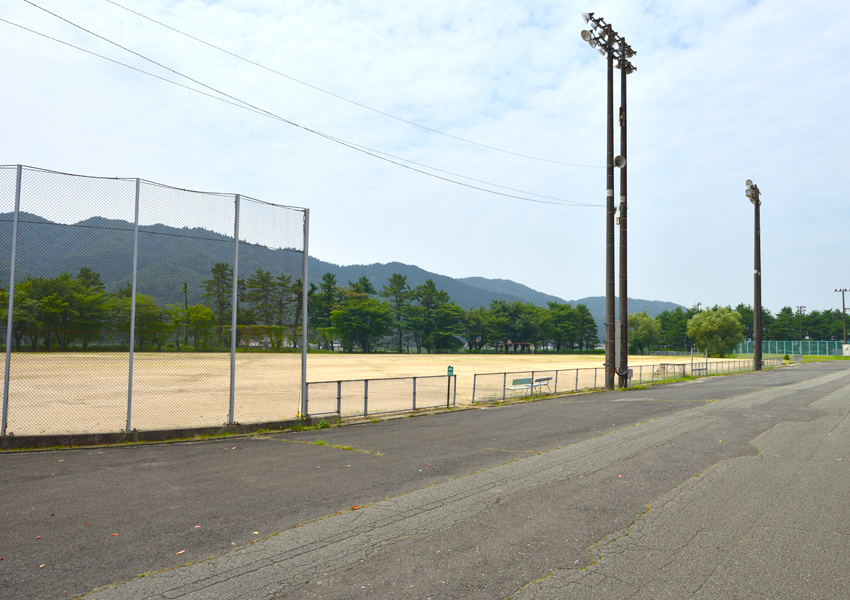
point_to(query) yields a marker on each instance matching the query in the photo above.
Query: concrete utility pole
(607, 42)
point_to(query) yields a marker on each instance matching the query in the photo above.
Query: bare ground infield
(63, 393)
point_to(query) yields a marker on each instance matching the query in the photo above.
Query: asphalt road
(604, 494)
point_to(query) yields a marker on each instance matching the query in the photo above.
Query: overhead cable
(343, 98)
(234, 101)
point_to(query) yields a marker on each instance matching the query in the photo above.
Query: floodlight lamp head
(749, 183)
(586, 35)
(620, 162)
(587, 17)
(601, 51)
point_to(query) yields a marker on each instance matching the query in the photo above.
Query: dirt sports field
(87, 392)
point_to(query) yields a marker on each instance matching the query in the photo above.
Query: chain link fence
(805, 347)
(136, 305)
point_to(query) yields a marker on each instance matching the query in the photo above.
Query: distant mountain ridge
(170, 256)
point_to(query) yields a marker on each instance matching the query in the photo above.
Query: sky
(724, 92)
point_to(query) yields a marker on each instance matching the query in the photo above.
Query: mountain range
(170, 256)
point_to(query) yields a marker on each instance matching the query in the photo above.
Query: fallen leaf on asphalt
(113, 534)
(181, 552)
(354, 507)
(61, 460)
(619, 475)
(234, 448)
(38, 537)
(256, 533)
(87, 524)
(85, 515)
(39, 566)
(197, 526)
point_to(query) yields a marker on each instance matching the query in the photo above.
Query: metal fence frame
(233, 329)
(791, 347)
(416, 399)
(641, 374)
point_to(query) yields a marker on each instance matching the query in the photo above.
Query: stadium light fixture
(602, 37)
(843, 310)
(801, 310)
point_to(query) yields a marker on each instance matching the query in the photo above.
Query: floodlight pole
(843, 311)
(610, 359)
(801, 310)
(757, 328)
(604, 38)
(624, 281)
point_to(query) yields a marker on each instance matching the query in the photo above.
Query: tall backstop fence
(805, 347)
(133, 305)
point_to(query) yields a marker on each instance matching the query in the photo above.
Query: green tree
(784, 326)
(200, 320)
(263, 294)
(90, 279)
(362, 286)
(564, 325)
(475, 325)
(588, 336)
(398, 292)
(440, 319)
(644, 332)
(361, 320)
(717, 329)
(218, 292)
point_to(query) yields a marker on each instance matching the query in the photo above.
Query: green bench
(525, 383)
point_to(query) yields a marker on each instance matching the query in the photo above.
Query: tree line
(77, 312)
(722, 328)
(401, 318)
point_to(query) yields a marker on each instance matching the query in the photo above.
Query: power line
(343, 98)
(234, 101)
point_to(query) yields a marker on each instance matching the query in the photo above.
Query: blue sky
(724, 91)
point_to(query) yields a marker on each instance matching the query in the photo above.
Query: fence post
(474, 381)
(11, 300)
(576, 381)
(365, 397)
(133, 307)
(339, 398)
(454, 394)
(414, 393)
(504, 384)
(233, 309)
(640, 375)
(532, 385)
(556, 381)
(304, 289)
(594, 377)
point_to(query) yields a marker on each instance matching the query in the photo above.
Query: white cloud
(724, 91)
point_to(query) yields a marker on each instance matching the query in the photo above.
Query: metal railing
(123, 305)
(488, 387)
(365, 397)
(790, 347)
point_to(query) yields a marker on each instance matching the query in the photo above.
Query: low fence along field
(57, 393)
